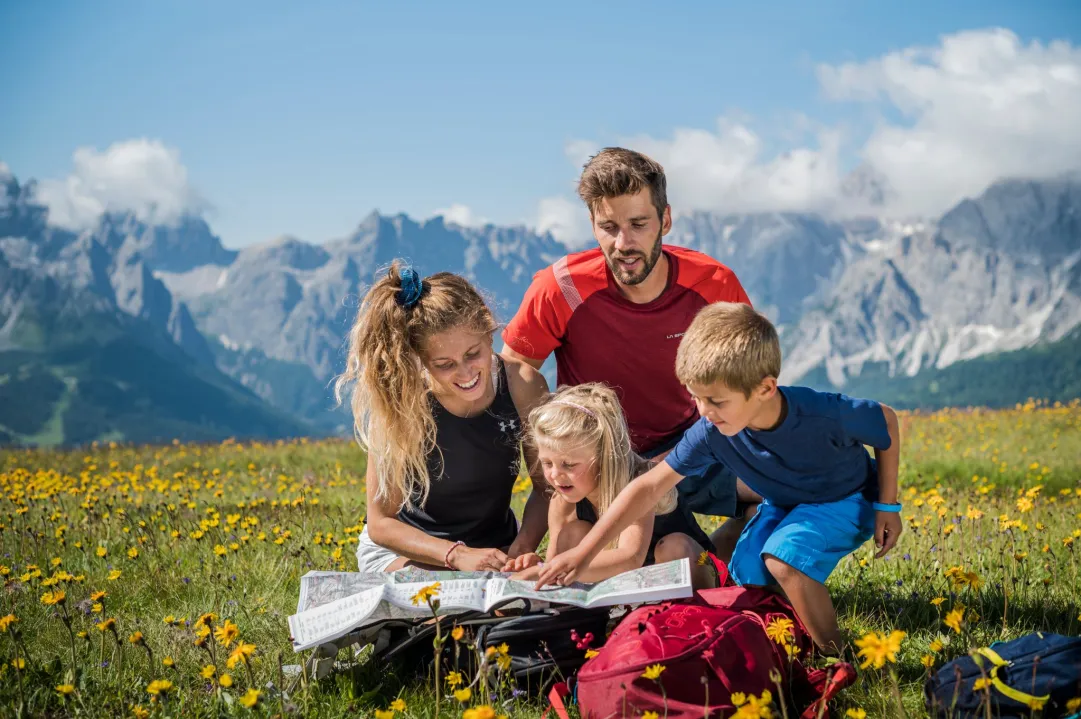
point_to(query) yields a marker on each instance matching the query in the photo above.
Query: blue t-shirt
(815, 455)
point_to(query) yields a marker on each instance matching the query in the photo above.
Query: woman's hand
(467, 559)
(517, 564)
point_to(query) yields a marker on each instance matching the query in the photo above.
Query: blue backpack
(1036, 671)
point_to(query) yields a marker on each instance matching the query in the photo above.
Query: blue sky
(301, 118)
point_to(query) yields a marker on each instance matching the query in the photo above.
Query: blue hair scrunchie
(412, 288)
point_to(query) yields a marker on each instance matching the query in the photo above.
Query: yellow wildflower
(241, 653)
(877, 650)
(954, 618)
(66, 689)
(250, 698)
(426, 593)
(226, 633)
(225, 680)
(653, 671)
(159, 686)
(780, 630)
(463, 695)
(52, 598)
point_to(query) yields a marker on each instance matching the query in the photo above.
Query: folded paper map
(333, 604)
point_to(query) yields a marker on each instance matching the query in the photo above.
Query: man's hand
(560, 570)
(467, 559)
(528, 574)
(517, 564)
(887, 529)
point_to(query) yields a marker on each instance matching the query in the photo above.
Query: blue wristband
(880, 507)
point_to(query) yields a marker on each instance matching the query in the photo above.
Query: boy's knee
(675, 546)
(572, 534)
(783, 572)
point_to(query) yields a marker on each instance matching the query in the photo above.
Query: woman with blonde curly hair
(440, 414)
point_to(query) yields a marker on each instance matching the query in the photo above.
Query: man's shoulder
(572, 277)
(700, 272)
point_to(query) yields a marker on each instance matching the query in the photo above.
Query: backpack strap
(827, 684)
(997, 662)
(555, 699)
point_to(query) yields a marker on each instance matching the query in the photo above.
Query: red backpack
(711, 647)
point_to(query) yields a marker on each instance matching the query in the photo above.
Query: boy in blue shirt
(800, 449)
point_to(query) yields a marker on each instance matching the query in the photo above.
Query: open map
(332, 604)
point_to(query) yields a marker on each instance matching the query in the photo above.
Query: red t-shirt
(574, 308)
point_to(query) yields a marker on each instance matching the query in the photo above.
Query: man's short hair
(615, 171)
(730, 343)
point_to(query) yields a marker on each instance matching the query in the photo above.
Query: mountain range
(137, 331)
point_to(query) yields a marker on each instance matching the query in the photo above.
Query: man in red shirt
(616, 313)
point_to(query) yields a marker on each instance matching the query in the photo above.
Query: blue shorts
(810, 538)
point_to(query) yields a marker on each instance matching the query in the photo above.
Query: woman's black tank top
(471, 485)
(680, 519)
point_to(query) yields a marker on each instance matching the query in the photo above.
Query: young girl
(440, 414)
(581, 440)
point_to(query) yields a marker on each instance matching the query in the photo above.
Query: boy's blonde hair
(730, 343)
(392, 414)
(590, 414)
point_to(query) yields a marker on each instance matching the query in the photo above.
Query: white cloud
(463, 215)
(142, 176)
(725, 170)
(977, 107)
(567, 220)
(980, 106)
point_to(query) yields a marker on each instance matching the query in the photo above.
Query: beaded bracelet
(446, 558)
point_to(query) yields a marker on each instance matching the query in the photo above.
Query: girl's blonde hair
(591, 414)
(392, 416)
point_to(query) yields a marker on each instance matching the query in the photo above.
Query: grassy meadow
(114, 556)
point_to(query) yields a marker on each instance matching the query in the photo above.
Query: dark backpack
(545, 645)
(1036, 669)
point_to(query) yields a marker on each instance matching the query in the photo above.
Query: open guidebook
(333, 604)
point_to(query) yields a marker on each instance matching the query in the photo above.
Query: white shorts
(370, 556)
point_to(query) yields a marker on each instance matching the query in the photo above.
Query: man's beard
(648, 263)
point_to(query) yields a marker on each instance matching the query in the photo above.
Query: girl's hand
(521, 562)
(562, 569)
(468, 559)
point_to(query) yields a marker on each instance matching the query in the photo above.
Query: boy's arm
(888, 525)
(639, 497)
